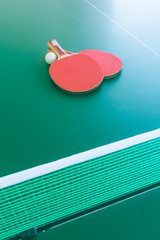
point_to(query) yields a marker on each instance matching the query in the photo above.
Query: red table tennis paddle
(110, 64)
(78, 73)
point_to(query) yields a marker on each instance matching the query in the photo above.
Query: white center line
(124, 29)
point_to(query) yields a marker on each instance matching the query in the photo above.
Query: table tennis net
(78, 186)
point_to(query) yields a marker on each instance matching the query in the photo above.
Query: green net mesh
(68, 191)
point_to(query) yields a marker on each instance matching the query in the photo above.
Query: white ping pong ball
(50, 57)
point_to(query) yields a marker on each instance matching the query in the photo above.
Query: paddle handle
(57, 49)
(68, 52)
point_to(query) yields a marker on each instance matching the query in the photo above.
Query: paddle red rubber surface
(110, 64)
(78, 73)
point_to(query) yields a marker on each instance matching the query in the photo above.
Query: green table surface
(39, 123)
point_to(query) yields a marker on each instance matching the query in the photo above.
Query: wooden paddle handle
(57, 49)
(68, 52)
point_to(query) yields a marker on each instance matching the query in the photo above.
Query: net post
(29, 234)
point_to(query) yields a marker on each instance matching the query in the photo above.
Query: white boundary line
(123, 29)
(77, 158)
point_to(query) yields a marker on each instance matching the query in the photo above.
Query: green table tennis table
(80, 166)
